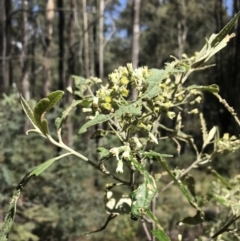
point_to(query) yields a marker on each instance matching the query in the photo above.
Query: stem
(82, 157)
(146, 230)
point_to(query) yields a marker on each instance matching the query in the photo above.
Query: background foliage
(39, 52)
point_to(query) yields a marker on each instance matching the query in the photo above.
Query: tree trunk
(85, 37)
(101, 38)
(136, 33)
(135, 38)
(25, 85)
(71, 56)
(33, 63)
(61, 27)
(47, 47)
(4, 61)
(233, 85)
(182, 29)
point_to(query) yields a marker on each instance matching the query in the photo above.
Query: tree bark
(235, 65)
(85, 38)
(47, 47)
(182, 29)
(4, 58)
(136, 33)
(61, 27)
(101, 38)
(71, 58)
(25, 85)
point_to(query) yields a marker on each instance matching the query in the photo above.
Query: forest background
(42, 45)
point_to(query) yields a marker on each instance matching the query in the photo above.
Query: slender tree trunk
(61, 27)
(33, 63)
(101, 39)
(4, 77)
(85, 37)
(135, 38)
(223, 117)
(136, 33)
(235, 65)
(8, 74)
(25, 85)
(71, 57)
(182, 29)
(47, 47)
(94, 43)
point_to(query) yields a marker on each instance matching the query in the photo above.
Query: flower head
(119, 168)
(115, 152)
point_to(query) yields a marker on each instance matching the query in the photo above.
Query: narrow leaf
(220, 199)
(42, 167)
(9, 219)
(223, 33)
(189, 181)
(132, 109)
(181, 186)
(221, 179)
(154, 154)
(210, 88)
(210, 136)
(28, 111)
(160, 235)
(65, 113)
(159, 232)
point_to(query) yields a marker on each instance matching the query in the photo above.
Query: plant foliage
(160, 99)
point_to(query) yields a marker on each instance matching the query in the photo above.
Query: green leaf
(181, 186)
(9, 219)
(210, 136)
(103, 152)
(215, 43)
(159, 233)
(81, 85)
(156, 77)
(143, 196)
(28, 111)
(223, 33)
(220, 199)
(65, 113)
(198, 218)
(42, 107)
(154, 154)
(132, 109)
(42, 167)
(137, 165)
(210, 88)
(221, 179)
(189, 181)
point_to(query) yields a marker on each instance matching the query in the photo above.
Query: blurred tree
(101, 38)
(85, 39)
(25, 84)
(49, 14)
(5, 44)
(61, 41)
(136, 33)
